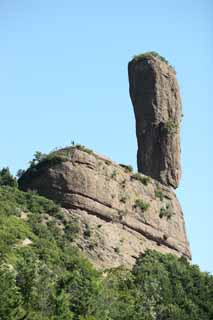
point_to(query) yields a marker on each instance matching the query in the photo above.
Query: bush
(11, 198)
(20, 173)
(83, 148)
(144, 180)
(159, 194)
(166, 212)
(6, 178)
(50, 159)
(142, 204)
(145, 55)
(10, 296)
(177, 289)
(50, 278)
(128, 168)
(171, 127)
(55, 157)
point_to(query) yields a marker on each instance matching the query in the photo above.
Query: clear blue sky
(63, 77)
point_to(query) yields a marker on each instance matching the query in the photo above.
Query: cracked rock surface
(120, 214)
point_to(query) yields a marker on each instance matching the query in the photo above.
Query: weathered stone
(156, 100)
(120, 214)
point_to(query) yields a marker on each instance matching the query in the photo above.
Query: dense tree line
(49, 279)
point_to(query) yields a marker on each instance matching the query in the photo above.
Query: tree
(6, 178)
(38, 157)
(20, 173)
(10, 297)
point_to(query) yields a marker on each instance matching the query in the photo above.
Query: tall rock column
(156, 100)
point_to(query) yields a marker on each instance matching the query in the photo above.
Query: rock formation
(156, 100)
(120, 213)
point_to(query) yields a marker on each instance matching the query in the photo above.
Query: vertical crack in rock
(156, 100)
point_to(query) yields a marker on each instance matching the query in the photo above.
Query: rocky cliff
(156, 99)
(119, 213)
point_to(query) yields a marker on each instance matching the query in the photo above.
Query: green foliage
(159, 194)
(116, 300)
(128, 168)
(171, 127)
(10, 296)
(13, 226)
(50, 280)
(38, 157)
(6, 178)
(144, 180)
(71, 229)
(141, 204)
(83, 148)
(180, 290)
(20, 173)
(145, 55)
(55, 157)
(114, 174)
(166, 212)
(12, 201)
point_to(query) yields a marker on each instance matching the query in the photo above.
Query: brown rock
(156, 100)
(120, 214)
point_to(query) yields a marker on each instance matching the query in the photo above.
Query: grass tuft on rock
(138, 176)
(139, 203)
(145, 55)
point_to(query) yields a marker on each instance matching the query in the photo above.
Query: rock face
(156, 100)
(120, 214)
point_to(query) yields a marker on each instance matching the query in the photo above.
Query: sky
(63, 78)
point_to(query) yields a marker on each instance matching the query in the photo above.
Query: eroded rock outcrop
(120, 214)
(156, 100)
